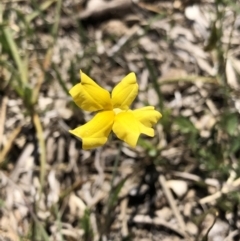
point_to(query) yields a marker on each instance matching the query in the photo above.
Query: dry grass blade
(76, 185)
(190, 79)
(172, 204)
(3, 117)
(9, 144)
(157, 221)
(41, 141)
(98, 9)
(105, 7)
(229, 187)
(48, 56)
(124, 217)
(62, 192)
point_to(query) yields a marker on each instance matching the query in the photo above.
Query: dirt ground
(183, 184)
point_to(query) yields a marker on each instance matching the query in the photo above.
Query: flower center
(117, 110)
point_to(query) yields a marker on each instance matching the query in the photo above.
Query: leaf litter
(161, 190)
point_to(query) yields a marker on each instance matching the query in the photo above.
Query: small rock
(179, 187)
(164, 213)
(191, 228)
(219, 231)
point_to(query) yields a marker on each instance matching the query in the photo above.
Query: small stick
(124, 218)
(172, 203)
(3, 117)
(226, 189)
(157, 221)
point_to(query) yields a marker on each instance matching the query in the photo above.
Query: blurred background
(183, 184)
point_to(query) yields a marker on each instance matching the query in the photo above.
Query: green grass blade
(60, 80)
(42, 8)
(15, 54)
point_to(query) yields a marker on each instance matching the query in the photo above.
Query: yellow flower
(113, 112)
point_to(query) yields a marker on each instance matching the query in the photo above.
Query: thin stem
(115, 166)
(113, 192)
(41, 142)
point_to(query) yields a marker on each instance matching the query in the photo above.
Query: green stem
(110, 203)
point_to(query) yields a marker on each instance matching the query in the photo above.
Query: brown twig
(172, 203)
(3, 117)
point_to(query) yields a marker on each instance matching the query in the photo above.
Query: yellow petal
(125, 92)
(128, 128)
(147, 115)
(90, 96)
(95, 133)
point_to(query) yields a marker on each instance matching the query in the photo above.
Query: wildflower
(113, 112)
